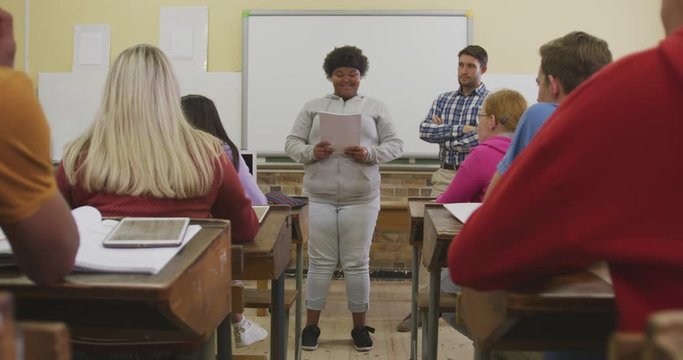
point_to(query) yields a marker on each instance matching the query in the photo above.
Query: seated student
(573, 182)
(140, 157)
(201, 112)
(33, 214)
(498, 118)
(566, 62)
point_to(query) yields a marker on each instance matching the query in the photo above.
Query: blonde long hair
(140, 143)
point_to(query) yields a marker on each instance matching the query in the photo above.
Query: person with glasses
(497, 122)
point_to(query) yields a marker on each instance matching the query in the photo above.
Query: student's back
(33, 214)
(141, 157)
(201, 112)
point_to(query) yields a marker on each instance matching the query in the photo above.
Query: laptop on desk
(250, 158)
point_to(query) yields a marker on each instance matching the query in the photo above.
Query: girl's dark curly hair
(345, 56)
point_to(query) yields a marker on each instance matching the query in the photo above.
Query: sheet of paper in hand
(340, 130)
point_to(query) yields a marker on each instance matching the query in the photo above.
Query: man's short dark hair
(573, 58)
(476, 52)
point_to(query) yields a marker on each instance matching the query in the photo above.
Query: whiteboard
(413, 57)
(524, 83)
(71, 100)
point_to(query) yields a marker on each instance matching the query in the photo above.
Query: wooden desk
(416, 207)
(7, 327)
(266, 258)
(186, 300)
(299, 237)
(568, 312)
(44, 340)
(439, 229)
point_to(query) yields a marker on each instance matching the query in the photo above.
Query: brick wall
(390, 249)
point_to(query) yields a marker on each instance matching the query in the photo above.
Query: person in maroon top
(141, 157)
(595, 185)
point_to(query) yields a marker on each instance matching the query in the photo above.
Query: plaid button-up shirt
(456, 110)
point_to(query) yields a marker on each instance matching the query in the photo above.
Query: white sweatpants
(340, 234)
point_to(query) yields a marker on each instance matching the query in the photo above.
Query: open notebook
(94, 257)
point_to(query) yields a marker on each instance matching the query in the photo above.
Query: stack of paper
(462, 211)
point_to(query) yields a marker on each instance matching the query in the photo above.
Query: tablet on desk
(147, 232)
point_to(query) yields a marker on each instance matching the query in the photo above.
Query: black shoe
(361, 337)
(309, 337)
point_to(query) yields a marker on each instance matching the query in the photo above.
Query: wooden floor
(389, 303)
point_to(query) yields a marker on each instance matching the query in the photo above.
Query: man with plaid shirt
(452, 123)
(452, 119)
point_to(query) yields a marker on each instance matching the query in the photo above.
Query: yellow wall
(511, 30)
(16, 8)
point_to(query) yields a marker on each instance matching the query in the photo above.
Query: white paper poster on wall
(183, 36)
(70, 102)
(91, 47)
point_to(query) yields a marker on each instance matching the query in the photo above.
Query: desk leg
(434, 292)
(224, 341)
(413, 303)
(207, 349)
(299, 304)
(278, 342)
(481, 355)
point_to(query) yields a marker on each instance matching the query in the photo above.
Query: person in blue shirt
(566, 62)
(531, 121)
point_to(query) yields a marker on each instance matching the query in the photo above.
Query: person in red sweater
(141, 157)
(592, 186)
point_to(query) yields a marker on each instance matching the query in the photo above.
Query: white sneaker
(247, 333)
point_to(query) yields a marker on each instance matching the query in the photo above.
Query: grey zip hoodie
(338, 179)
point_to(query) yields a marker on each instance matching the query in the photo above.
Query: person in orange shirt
(33, 215)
